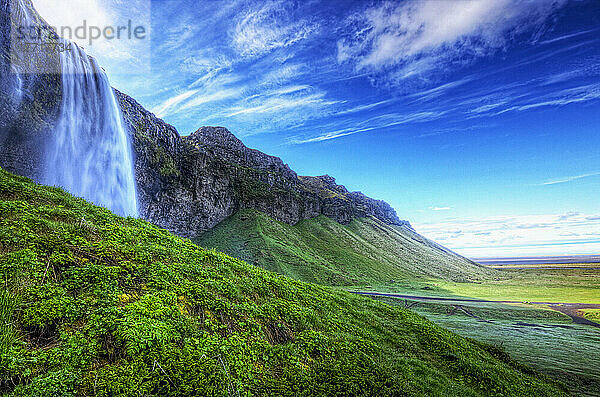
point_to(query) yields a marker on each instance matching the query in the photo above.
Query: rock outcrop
(188, 184)
(29, 102)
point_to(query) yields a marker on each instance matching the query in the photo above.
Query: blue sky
(478, 121)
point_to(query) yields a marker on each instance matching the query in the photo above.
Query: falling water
(90, 154)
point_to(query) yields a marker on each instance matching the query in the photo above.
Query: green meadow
(96, 304)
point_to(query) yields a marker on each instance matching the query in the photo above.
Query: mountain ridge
(363, 252)
(241, 177)
(187, 185)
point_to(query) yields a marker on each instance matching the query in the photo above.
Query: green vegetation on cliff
(320, 250)
(95, 304)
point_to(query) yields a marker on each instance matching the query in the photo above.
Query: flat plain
(547, 337)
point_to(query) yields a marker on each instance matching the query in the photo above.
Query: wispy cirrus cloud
(490, 106)
(580, 94)
(270, 27)
(537, 93)
(215, 96)
(163, 109)
(415, 37)
(568, 179)
(281, 103)
(369, 106)
(371, 124)
(282, 74)
(566, 36)
(440, 90)
(208, 89)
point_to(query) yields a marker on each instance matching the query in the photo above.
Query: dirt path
(570, 309)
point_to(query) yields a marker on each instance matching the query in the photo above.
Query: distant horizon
(596, 256)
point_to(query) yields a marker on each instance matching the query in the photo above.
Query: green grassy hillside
(95, 304)
(320, 250)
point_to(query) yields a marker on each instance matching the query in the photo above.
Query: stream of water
(90, 155)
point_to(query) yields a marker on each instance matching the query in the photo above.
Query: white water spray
(90, 154)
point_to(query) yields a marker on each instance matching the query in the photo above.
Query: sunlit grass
(562, 285)
(545, 339)
(592, 314)
(8, 313)
(115, 306)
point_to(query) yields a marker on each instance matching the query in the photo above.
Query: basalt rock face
(29, 102)
(190, 184)
(187, 185)
(286, 196)
(340, 204)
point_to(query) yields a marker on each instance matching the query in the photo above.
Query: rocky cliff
(188, 184)
(29, 102)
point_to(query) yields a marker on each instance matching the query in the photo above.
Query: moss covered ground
(320, 250)
(577, 285)
(95, 304)
(545, 339)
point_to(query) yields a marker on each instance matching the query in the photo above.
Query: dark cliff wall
(190, 184)
(29, 102)
(187, 185)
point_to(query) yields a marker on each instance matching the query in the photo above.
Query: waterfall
(18, 89)
(90, 155)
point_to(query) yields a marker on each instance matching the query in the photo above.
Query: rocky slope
(29, 102)
(187, 185)
(190, 184)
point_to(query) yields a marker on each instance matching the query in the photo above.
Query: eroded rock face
(29, 102)
(190, 184)
(185, 184)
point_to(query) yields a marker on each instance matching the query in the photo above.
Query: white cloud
(507, 236)
(439, 90)
(369, 106)
(207, 97)
(440, 208)
(289, 90)
(561, 98)
(374, 123)
(569, 179)
(164, 108)
(488, 107)
(207, 89)
(261, 31)
(417, 36)
(207, 62)
(283, 74)
(277, 104)
(179, 35)
(567, 36)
